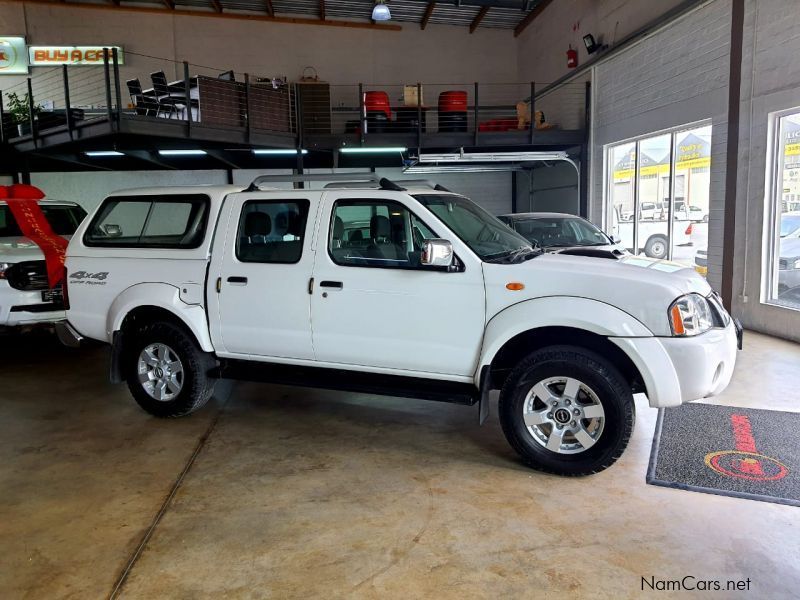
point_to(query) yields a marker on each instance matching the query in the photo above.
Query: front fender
(557, 311)
(161, 295)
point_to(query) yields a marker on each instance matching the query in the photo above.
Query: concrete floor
(298, 493)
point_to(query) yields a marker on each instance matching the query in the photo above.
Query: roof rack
(338, 180)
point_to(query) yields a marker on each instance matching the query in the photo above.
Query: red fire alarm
(572, 57)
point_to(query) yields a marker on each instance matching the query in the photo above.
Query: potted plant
(18, 109)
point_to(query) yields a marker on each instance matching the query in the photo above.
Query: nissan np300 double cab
(413, 292)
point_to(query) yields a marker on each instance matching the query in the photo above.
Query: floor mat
(744, 452)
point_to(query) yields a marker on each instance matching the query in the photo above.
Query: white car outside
(413, 292)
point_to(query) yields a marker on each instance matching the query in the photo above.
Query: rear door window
(272, 231)
(150, 222)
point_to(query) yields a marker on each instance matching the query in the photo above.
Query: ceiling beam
(322, 9)
(531, 17)
(478, 18)
(214, 15)
(428, 14)
(217, 6)
(270, 8)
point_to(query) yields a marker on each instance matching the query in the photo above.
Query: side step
(351, 381)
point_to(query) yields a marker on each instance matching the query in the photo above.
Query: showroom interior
(669, 131)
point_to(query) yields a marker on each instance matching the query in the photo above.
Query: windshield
(559, 232)
(64, 220)
(789, 224)
(486, 235)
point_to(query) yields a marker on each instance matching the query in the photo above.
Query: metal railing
(71, 96)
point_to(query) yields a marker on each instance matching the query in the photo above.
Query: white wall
(89, 189)
(770, 83)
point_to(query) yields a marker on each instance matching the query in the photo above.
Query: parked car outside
(25, 294)
(557, 232)
(653, 235)
(442, 301)
(701, 261)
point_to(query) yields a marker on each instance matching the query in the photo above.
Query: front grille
(783, 264)
(28, 276)
(720, 315)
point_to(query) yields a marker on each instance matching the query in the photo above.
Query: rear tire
(586, 420)
(656, 247)
(166, 371)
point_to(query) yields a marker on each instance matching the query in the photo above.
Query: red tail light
(64, 291)
(689, 229)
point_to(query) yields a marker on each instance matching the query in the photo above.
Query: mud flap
(483, 403)
(115, 372)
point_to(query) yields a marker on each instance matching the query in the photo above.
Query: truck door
(259, 276)
(373, 305)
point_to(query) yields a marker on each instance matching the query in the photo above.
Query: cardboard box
(410, 95)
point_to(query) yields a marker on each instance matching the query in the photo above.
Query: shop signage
(41, 56)
(13, 57)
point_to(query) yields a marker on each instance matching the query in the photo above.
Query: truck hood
(19, 249)
(642, 287)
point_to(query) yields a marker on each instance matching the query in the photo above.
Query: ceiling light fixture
(101, 153)
(380, 12)
(182, 152)
(372, 150)
(278, 151)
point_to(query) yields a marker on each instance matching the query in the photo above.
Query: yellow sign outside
(690, 163)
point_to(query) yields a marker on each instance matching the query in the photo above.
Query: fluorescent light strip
(279, 152)
(100, 153)
(182, 152)
(467, 157)
(373, 150)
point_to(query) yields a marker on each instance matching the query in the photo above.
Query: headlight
(3, 268)
(690, 315)
(795, 264)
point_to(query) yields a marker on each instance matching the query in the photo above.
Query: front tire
(567, 411)
(167, 373)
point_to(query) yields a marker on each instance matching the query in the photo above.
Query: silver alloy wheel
(563, 415)
(160, 372)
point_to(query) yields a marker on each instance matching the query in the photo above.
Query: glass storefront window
(783, 233)
(658, 192)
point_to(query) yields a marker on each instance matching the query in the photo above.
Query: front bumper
(676, 370)
(19, 308)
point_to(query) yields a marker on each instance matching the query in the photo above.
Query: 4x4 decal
(98, 278)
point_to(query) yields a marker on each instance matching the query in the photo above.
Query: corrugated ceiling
(403, 11)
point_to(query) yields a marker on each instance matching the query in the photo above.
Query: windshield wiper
(524, 253)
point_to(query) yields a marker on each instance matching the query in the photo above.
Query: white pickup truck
(408, 292)
(25, 295)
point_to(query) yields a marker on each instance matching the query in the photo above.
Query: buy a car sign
(13, 56)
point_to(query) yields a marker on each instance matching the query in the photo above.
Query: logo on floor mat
(745, 462)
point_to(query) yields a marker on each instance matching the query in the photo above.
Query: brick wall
(677, 76)
(770, 83)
